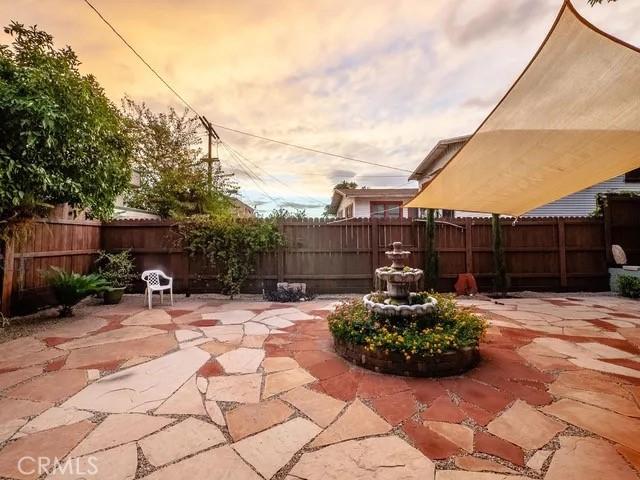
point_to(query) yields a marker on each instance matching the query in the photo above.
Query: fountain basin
(389, 310)
(405, 276)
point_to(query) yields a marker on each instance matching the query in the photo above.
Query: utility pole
(212, 135)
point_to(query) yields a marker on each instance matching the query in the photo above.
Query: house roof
(383, 193)
(237, 203)
(426, 166)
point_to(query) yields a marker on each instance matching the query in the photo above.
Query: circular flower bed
(439, 343)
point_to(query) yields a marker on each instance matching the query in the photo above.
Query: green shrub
(116, 268)
(230, 245)
(629, 286)
(70, 288)
(449, 327)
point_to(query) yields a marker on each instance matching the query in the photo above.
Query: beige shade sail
(571, 120)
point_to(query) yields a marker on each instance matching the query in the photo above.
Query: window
(348, 212)
(633, 176)
(386, 209)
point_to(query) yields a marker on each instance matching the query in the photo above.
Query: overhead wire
(320, 203)
(230, 129)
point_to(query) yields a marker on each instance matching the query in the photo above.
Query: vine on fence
(230, 245)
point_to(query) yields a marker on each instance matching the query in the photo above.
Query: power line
(142, 59)
(254, 178)
(241, 132)
(316, 200)
(278, 200)
(310, 149)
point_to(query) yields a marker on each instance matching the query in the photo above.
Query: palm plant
(71, 287)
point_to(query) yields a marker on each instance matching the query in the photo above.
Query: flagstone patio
(211, 389)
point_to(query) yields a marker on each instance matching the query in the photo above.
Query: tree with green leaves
(345, 185)
(168, 159)
(62, 140)
(281, 213)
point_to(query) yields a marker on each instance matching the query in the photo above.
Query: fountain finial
(397, 256)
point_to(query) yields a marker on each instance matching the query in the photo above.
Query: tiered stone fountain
(399, 303)
(398, 299)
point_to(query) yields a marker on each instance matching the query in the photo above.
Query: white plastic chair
(152, 278)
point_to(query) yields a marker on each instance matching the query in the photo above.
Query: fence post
(607, 229)
(468, 245)
(281, 255)
(7, 276)
(375, 250)
(562, 252)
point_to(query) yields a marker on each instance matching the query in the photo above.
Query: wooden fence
(68, 244)
(556, 254)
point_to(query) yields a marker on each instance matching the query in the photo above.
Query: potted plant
(117, 269)
(70, 287)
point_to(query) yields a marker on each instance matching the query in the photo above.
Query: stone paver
(155, 316)
(272, 449)
(525, 426)
(237, 388)
(581, 458)
(14, 377)
(25, 359)
(216, 348)
(214, 412)
(112, 336)
(277, 364)
(241, 360)
(178, 441)
(118, 463)
(143, 387)
(460, 435)
(186, 401)
(610, 401)
(55, 417)
(253, 341)
(52, 387)
(186, 335)
(537, 459)
(279, 382)
(496, 446)
(460, 475)
(54, 443)
(475, 464)
(248, 419)
(253, 328)
(225, 333)
(10, 427)
(230, 317)
(606, 367)
(320, 408)
(358, 420)
(386, 458)
(290, 401)
(74, 328)
(397, 407)
(613, 426)
(11, 409)
(220, 463)
(119, 429)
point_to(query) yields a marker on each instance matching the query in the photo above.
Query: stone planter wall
(442, 365)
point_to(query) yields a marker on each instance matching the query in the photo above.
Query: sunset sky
(377, 80)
